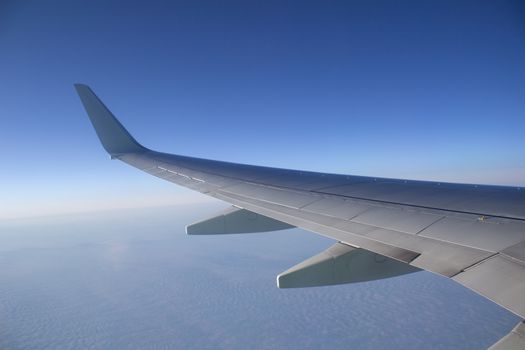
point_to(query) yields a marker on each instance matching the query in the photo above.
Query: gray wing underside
(474, 234)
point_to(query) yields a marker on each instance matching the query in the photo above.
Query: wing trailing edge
(515, 340)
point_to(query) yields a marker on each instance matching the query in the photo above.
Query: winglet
(113, 136)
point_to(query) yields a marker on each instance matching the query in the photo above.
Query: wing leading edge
(474, 234)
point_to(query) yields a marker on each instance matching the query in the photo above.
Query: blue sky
(412, 89)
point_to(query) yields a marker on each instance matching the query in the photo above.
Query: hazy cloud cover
(133, 279)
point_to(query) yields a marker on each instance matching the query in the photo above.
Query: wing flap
(397, 219)
(500, 279)
(485, 233)
(515, 340)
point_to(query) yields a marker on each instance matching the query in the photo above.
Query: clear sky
(412, 89)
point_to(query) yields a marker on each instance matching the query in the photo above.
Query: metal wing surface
(474, 234)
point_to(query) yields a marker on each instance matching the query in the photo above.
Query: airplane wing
(473, 234)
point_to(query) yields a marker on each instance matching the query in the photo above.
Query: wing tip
(112, 134)
(80, 86)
